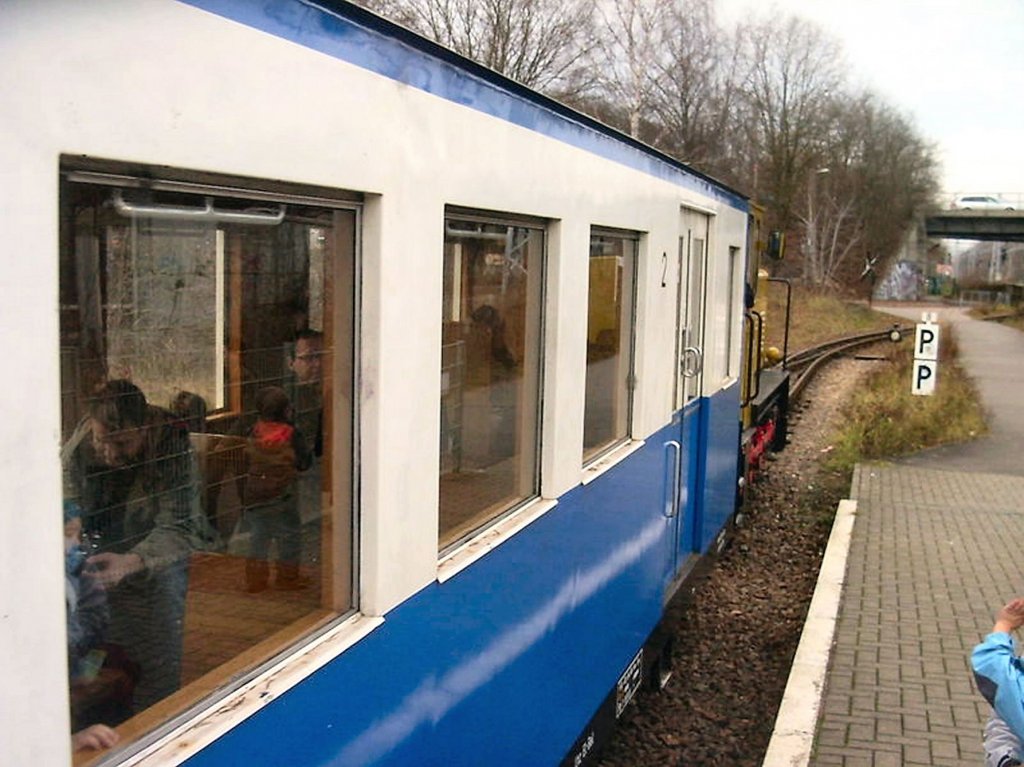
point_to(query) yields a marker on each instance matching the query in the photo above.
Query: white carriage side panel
(657, 281)
(565, 352)
(33, 646)
(398, 421)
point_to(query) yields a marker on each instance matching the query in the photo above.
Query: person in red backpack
(276, 452)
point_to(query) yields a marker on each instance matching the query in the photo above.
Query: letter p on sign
(925, 373)
(926, 342)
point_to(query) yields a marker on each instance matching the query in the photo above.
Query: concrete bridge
(997, 225)
(976, 217)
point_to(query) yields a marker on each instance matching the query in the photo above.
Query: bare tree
(695, 87)
(540, 43)
(898, 174)
(832, 227)
(792, 71)
(880, 176)
(629, 34)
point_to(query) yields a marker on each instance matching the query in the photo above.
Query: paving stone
(930, 560)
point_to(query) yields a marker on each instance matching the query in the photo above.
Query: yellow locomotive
(765, 378)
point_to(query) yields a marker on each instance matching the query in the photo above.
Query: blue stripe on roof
(350, 33)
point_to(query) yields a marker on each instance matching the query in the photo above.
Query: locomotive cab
(765, 379)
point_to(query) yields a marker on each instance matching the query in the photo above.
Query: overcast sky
(955, 67)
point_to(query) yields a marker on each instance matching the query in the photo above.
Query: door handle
(693, 362)
(672, 506)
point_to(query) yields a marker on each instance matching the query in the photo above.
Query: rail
(804, 364)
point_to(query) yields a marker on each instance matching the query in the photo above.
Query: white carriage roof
(350, 33)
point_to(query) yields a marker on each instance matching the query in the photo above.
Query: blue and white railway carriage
(509, 336)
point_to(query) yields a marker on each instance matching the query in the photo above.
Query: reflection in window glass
(721, 357)
(206, 371)
(609, 341)
(490, 374)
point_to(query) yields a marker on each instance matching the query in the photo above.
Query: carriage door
(689, 375)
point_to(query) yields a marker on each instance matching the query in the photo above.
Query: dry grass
(816, 317)
(884, 420)
(981, 311)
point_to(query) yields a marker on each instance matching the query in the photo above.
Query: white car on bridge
(981, 202)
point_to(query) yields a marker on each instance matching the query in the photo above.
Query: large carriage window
(490, 374)
(609, 341)
(206, 370)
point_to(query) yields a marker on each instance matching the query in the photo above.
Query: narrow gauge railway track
(805, 363)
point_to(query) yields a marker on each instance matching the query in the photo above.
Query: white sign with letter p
(926, 356)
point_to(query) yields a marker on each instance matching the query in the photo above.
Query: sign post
(926, 355)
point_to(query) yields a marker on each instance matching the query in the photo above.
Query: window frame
(734, 297)
(449, 550)
(636, 237)
(152, 725)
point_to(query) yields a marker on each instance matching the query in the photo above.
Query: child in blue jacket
(999, 674)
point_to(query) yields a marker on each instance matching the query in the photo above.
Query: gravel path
(738, 632)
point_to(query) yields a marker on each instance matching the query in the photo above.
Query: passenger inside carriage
(130, 467)
(276, 452)
(96, 688)
(191, 409)
(305, 362)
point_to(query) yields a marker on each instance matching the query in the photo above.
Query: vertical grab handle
(671, 507)
(752, 344)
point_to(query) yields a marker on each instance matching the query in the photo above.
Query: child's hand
(1010, 617)
(94, 737)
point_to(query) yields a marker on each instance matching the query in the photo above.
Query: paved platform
(935, 544)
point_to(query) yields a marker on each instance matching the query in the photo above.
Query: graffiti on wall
(902, 283)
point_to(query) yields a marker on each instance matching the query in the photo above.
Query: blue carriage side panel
(500, 665)
(690, 478)
(719, 454)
